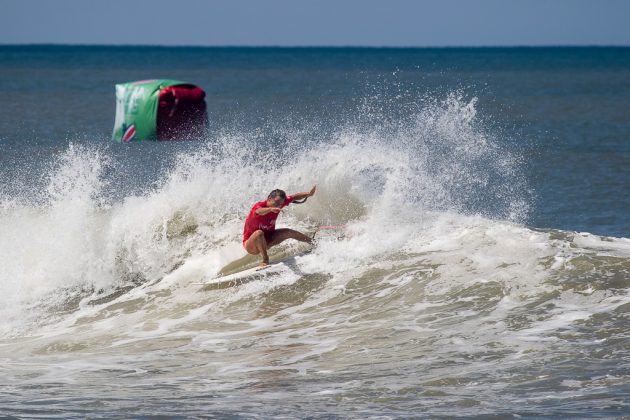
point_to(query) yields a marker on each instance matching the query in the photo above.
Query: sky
(395, 23)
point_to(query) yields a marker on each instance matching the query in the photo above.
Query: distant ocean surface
(481, 263)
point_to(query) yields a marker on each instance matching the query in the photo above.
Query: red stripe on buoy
(131, 131)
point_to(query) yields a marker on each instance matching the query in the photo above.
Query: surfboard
(286, 265)
(241, 271)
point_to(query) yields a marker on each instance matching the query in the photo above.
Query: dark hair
(276, 193)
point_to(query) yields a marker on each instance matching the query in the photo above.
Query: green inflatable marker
(159, 110)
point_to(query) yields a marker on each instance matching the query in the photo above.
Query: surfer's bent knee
(249, 243)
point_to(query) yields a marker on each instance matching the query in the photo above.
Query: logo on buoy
(129, 133)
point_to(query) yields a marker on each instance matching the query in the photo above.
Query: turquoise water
(483, 268)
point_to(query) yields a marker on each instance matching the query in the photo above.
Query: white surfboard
(251, 274)
(241, 271)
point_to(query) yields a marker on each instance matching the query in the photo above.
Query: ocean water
(480, 264)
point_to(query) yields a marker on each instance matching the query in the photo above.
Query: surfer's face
(276, 201)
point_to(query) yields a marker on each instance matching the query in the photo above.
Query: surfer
(260, 233)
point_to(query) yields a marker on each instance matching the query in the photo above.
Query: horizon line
(314, 46)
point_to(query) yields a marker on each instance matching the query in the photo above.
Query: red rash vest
(266, 223)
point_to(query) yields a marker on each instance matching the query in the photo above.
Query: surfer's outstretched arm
(302, 195)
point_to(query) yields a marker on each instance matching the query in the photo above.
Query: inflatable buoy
(159, 110)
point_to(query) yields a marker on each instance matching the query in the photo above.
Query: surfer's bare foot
(264, 264)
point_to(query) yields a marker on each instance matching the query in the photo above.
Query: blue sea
(475, 261)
